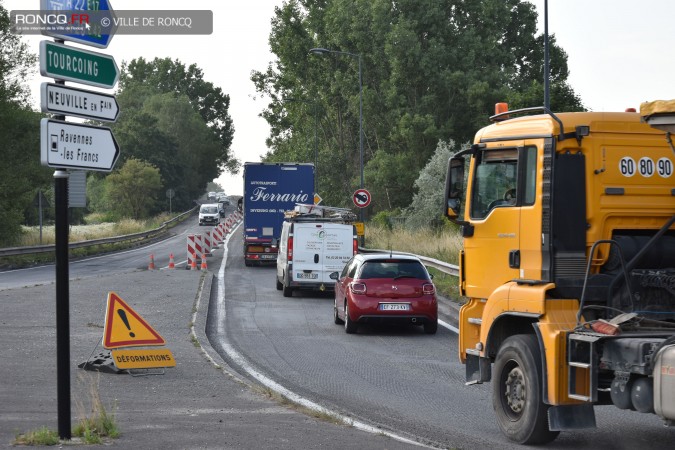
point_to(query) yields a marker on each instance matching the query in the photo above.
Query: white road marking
(448, 326)
(242, 362)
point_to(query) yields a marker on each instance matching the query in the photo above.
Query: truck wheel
(350, 326)
(517, 392)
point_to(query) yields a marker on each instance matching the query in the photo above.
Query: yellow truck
(568, 265)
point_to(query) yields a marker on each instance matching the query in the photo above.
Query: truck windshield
(495, 181)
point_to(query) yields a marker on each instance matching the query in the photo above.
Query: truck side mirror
(454, 189)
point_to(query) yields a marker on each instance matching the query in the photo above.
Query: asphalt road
(400, 381)
(199, 404)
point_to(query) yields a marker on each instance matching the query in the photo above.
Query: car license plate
(268, 256)
(307, 276)
(394, 307)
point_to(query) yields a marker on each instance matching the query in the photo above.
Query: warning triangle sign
(124, 327)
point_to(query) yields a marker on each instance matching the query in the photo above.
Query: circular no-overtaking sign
(361, 198)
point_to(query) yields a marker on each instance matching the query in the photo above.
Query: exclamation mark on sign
(123, 316)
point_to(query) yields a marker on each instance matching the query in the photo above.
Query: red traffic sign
(361, 198)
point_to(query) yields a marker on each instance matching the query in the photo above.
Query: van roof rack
(321, 213)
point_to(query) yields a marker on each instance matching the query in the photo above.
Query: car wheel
(336, 318)
(350, 326)
(516, 392)
(431, 326)
(280, 285)
(288, 291)
(248, 263)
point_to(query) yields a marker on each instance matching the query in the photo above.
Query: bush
(426, 208)
(383, 219)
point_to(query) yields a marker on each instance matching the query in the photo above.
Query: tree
(167, 76)
(163, 129)
(431, 70)
(427, 202)
(21, 175)
(133, 189)
(16, 61)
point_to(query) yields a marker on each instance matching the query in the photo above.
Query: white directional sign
(66, 100)
(77, 146)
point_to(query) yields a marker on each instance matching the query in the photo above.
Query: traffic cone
(151, 266)
(172, 265)
(204, 267)
(193, 263)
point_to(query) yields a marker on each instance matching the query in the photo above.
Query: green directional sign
(74, 64)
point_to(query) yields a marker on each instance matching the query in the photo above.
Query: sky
(619, 55)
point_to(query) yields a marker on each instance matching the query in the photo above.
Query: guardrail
(149, 234)
(444, 267)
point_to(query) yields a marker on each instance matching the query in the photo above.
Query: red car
(385, 287)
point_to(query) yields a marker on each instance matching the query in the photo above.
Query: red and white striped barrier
(209, 244)
(217, 235)
(190, 250)
(194, 249)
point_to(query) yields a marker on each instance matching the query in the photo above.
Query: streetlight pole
(323, 51)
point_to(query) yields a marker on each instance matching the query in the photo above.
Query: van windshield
(209, 209)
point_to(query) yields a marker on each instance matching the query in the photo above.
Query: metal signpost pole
(363, 237)
(62, 303)
(61, 226)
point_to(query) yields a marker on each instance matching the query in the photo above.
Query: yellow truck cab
(568, 265)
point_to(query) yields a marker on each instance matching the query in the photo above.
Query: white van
(208, 214)
(310, 249)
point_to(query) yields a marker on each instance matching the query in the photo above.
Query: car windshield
(209, 209)
(393, 268)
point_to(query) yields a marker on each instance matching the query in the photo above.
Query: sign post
(65, 145)
(74, 64)
(60, 99)
(77, 146)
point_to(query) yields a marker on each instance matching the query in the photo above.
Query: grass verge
(442, 245)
